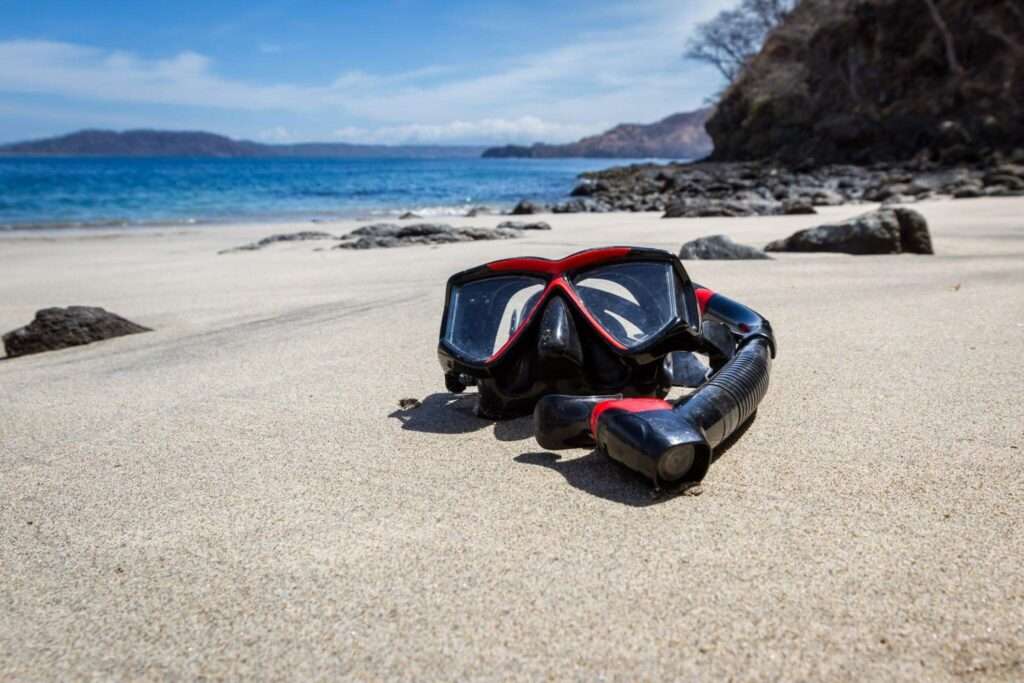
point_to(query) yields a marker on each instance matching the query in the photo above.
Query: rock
(825, 197)
(388, 236)
(797, 207)
(58, 328)
(377, 230)
(303, 236)
(914, 235)
(478, 211)
(1006, 180)
(578, 205)
(524, 208)
(521, 225)
(719, 248)
(886, 231)
(408, 215)
(968, 192)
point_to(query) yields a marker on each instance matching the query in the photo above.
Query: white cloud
(523, 129)
(634, 73)
(276, 134)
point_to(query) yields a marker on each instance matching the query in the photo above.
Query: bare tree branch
(728, 41)
(947, 38)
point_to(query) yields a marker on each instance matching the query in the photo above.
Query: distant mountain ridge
(162, 143)
(679, 136)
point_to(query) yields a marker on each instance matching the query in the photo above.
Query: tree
(728, 41)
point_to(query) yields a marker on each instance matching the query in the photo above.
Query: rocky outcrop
(680, 136)
(862, 81)
(389, 236)
(59, 328)
(769, 188)
(887, 231)
(719, 248)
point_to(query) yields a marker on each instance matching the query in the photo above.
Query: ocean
(83, 192)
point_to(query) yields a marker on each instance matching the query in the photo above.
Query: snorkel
(592, 344)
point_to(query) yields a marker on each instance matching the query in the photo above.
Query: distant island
(680, 136)
(162, 143)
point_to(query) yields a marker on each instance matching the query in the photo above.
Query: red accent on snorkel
(581, 259)
(626, 405)
(703, 297)
(562, 284)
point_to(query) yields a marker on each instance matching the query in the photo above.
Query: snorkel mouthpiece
(668, 443)
(662, 443)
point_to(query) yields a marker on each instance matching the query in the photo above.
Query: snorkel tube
(673, 444)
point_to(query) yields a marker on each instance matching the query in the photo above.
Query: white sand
(233, 495)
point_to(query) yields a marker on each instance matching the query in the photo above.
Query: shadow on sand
(447, 413)
(601, 476)
(595, 473)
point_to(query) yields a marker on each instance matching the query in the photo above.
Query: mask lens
(632, 301)
(482, 315)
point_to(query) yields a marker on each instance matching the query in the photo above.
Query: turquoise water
(55, 192)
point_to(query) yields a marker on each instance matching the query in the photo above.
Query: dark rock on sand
(524, 208)
(522, 225)
(58, 328)
(887, 231)
(478, 211)
(388, 235)
(303, 236)
(408, 215)
(797, 207)
(719, 248)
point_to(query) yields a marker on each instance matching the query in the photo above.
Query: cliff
(680, 136)
(880, 80)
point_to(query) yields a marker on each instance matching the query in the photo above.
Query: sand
(237, 494)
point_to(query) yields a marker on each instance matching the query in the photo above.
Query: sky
(384, 71)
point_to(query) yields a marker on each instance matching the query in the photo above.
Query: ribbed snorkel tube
(669, 443)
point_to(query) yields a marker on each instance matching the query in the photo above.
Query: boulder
(719, 248)
(797, 207)
(408, 215)
(886, 231)
(524, 208)
(58, 328)
(914, 235)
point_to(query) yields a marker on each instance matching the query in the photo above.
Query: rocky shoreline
(707, 189)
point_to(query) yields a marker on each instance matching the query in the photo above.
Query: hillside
(880, 80)
(680, 136)
(156, 143)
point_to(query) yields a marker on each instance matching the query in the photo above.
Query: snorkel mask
(593, 343)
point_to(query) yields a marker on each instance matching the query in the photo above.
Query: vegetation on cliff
(880, 80)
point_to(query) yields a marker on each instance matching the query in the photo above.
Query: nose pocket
(558, 338)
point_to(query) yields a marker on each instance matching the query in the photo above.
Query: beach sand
(237, 494)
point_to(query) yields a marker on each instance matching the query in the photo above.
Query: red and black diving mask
(600, 333)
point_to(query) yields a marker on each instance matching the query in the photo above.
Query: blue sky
(390, 71)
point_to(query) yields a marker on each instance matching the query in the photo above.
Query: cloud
(633, 73)
(526, 128)
(276, 134)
